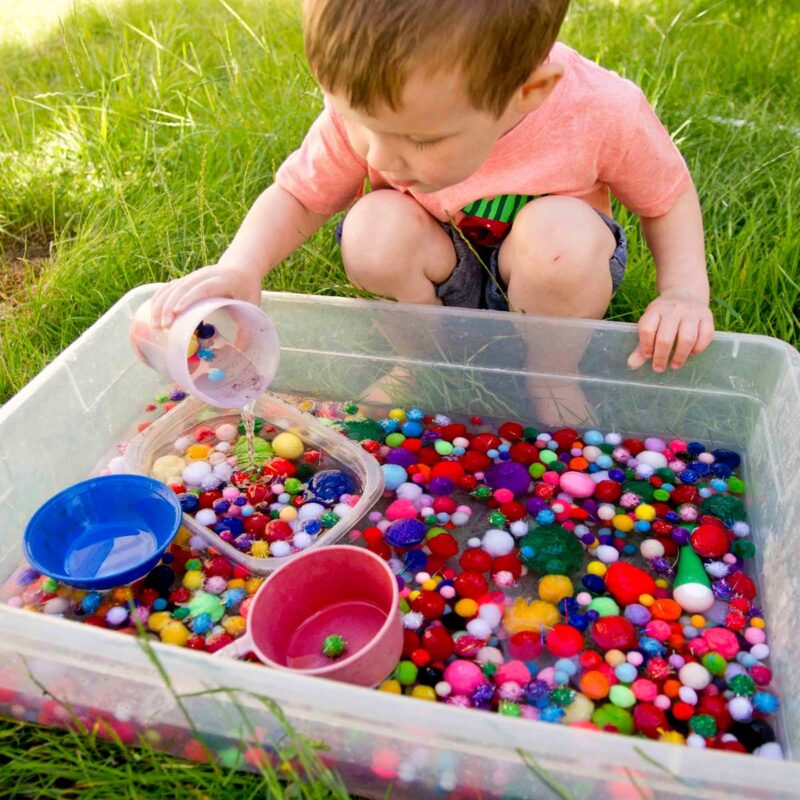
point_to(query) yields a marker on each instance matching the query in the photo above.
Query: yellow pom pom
(236, 583)
(596, 568)
(757, 622)
(429, 585)
(234, 625)
(645, 512)
(166, 467)
(174, 632)
(158, 619)
(287, 513)
(252, 585)
(398, 414)
(646, 600)
(622, 522)
(698, 620)
(288, 445)
(533, 616)
(392, 686)
(554, 588)
(662, 583)
(413, 595)
(193, 346)
(466, 607)
(672, 737)
(424, 693)
(259, 549)
(193, 579)
(182, 537)
(198, 452)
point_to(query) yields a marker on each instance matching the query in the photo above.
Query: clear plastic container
(743, 392)
(243, 349)
(339, 453)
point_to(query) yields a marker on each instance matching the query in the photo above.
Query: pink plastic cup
(245, 349)
(340, 589)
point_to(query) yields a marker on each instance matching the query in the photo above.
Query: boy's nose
(382, 157)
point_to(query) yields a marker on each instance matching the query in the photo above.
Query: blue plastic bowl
(103, 532)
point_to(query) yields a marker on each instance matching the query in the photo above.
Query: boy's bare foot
(394, 388)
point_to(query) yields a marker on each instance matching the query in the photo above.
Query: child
(490, 150)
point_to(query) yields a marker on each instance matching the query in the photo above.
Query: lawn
(134, 136)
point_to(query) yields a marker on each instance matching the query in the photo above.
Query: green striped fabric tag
(503, 208)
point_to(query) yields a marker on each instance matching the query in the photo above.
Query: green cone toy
(692, 588)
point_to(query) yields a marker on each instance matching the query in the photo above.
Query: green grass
(134, 136)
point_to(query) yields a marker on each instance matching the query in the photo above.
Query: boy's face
(435, 138)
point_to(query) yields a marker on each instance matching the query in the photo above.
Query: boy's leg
(393, 247)
(555, 260)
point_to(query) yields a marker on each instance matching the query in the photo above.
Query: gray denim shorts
(473, 284)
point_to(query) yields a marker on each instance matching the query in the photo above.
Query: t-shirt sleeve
(325, 174)
(644, 168)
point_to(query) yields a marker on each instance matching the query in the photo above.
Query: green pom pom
(262, 448)
(704, 725)
(334, 645)
(497, 520)
(728, 509)
(611, 716)
(742, 685)
(405, 673)
(362, 428)
(551, 550)
(530, 434)
(743, 548)
(259, 424)
(489, 669)
(562, 696)
(642, 489)
(509, 709)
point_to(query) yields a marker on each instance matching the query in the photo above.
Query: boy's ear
(538, 87)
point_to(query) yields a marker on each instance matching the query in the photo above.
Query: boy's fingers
(173, 296)
(687, 336)
(704, 336)
(208, 288)
(636, 358)
(665, 338)
(157, 305)
(648, 327)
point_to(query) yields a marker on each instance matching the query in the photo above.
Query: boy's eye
(427, 143)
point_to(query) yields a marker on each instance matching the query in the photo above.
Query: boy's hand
(676, 320)
(237, 283)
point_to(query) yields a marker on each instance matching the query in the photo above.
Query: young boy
(490, 150)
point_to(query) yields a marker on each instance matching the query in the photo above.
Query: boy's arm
(679, 317)
(276, 225)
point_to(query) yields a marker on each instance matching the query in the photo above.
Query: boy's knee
(564, 236)
(378, 234)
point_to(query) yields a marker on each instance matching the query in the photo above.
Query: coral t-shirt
(595, 132)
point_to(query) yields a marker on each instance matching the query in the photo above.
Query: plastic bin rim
(444, 721)
(145, 290)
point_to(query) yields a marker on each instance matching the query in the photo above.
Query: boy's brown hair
(366, 49)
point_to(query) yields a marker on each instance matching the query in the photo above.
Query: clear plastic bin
(743, 392)
(339, 453)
